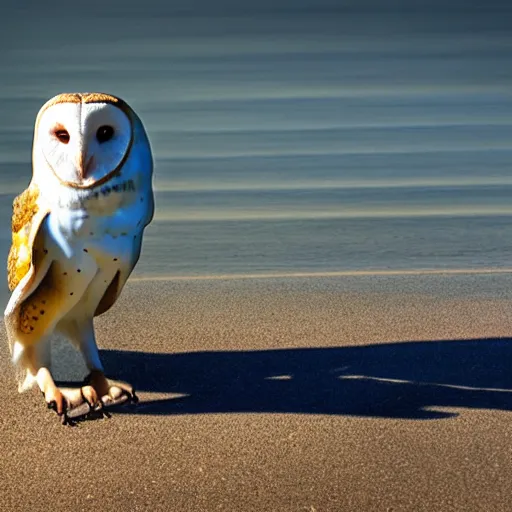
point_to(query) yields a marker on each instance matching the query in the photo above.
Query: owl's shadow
(393, 380)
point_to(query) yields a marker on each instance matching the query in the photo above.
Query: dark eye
(104, 133)
(62, 135)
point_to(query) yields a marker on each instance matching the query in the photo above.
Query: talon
(98, 407)
(68, 421)
(90, 396)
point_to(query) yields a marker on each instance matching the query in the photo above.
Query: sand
(380, 393)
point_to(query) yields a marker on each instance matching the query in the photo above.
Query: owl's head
(85, 139)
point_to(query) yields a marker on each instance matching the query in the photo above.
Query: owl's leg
(39, 314)
(109, 392)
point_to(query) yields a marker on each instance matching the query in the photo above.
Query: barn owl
(76, 236)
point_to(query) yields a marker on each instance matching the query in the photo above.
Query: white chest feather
(95, 234)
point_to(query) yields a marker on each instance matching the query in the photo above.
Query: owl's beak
(84, 167)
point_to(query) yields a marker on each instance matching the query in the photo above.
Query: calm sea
(305, 136)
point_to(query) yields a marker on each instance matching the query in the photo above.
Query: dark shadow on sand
(394, 380)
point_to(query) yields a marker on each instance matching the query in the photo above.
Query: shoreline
(320, 274)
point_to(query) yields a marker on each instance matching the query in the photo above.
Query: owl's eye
(62, 135)
(104, 133)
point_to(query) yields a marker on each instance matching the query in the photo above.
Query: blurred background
(289, 136)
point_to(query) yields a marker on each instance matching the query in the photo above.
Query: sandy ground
(364, 393)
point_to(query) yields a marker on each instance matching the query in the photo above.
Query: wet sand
(380, 393)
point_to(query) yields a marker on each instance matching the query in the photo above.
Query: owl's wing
(114, 289)
(26, 264)
(116, 285)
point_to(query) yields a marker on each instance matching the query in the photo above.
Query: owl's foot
(110, 392)
(79, 403)
(92, 400)
(67, 402)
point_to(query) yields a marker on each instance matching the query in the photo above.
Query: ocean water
(289, 136)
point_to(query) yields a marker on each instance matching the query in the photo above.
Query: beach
(350, 393)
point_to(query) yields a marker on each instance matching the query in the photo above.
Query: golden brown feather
(24, 209)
